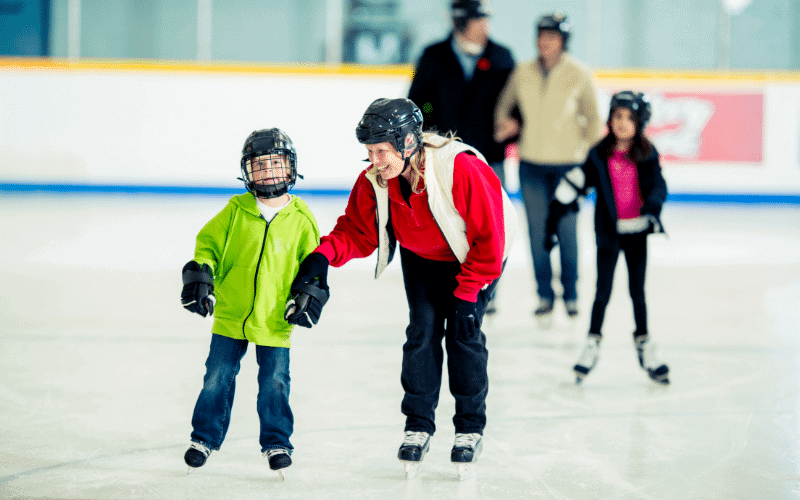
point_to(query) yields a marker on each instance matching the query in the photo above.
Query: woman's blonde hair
(417, 161)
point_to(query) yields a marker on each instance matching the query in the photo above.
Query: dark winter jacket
(652, 186)
(450, 103)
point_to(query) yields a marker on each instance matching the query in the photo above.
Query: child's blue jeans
(212, 413)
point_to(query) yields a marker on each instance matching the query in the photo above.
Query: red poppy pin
(484, 64)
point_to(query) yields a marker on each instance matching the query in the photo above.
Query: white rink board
(119, 125)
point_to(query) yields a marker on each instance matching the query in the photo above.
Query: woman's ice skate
(413, 450)
(466, 450)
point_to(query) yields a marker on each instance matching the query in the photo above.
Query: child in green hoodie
(244, 262)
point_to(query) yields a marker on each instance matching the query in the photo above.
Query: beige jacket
(559, 113)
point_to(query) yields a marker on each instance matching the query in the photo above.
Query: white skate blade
(281, 475)
(411, 468)
(466, 470)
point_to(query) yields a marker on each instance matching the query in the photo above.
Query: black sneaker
(196, 455)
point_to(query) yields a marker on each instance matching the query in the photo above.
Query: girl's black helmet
(265, 142)
(637, 102)
(392, 120)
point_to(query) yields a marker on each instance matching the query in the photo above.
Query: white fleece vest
(438, 175)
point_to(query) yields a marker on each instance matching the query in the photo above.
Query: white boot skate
(413, 450)
(466, 450)
(646, 351)
(588, 358)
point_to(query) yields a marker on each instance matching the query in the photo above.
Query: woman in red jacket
(444, 205)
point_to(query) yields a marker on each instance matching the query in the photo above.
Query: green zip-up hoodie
(254, 264)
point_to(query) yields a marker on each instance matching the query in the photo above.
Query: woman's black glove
(198, 289)
(465, 319)
(309, 291)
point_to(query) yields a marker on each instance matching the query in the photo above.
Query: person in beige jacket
(556, 99)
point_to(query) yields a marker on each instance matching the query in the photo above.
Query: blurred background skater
(258, 239)
(555, 96)
(454, 223)
(625, 172)
(457, 82)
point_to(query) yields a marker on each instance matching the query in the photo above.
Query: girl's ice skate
(413, 450)
(588, 358)
(646, 351)
(466, 450)
(196, 456)
(279, 459)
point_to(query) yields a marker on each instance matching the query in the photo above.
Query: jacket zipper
(255, 279)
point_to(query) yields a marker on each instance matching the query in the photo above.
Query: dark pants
(635, 248)
(537, 184)
(212, 413)
(429, 289)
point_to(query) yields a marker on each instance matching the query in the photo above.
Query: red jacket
(477, 197)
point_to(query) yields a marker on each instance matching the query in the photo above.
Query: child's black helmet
(464, 10)
(637, 102)
(392, 120)
(556, 21)
(264, 142)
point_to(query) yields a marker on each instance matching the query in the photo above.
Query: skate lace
(589, 355)
(415, 438)
(274, 451)
(202, 449)
(466, 440)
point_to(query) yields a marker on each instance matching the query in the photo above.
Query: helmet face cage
(637, 102)
(555, 22)
(269, 163)
(391, 120)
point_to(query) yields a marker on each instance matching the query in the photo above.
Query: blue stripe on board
(9, 187)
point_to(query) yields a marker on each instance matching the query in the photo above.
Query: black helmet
(554, 22)
(637, 102)
(264, 142)
(464, 10)
(392, 120)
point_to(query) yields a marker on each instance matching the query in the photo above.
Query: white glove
(570, 186)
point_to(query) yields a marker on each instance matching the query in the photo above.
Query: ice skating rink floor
(100, 368)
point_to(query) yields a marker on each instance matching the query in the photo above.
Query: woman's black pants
(429, 289)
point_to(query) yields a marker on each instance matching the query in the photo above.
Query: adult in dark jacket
(457, 81)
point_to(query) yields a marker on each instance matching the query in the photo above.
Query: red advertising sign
(692, 127)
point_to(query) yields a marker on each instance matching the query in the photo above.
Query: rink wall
(170, 127)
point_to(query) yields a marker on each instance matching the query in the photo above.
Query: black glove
(305, 307)
(198, 289)
(465, 320)
(314, 266)
(309, 291)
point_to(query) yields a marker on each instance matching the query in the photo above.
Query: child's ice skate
(588, 358)
(413, 450)
(279, 460)
(544, 313)
(196, 456)
(466, 450)
(646, 351)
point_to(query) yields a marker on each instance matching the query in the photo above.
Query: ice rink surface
(100, 368)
